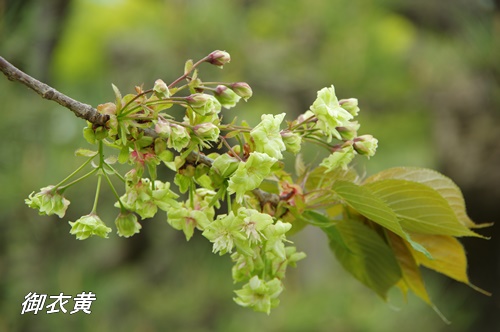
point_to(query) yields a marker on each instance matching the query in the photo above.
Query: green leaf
(369, 205)
(85, 153)
(372, 207)
(420, 208)
(442, 184)
(366, 256)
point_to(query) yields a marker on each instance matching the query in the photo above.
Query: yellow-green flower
(267, 137)
(250, 174)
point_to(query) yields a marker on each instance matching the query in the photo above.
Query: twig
(89, 113)
(81, 110)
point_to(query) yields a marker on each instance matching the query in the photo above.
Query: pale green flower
(275, 235)
(179, 137)
(254, 223)
(187, 219)
(89, 225)
(340, 158)
(267, 137)
(260, 295)
(225, 234)
(127, 225)
(250, 174)
(48, 202)
(142, 199)
(330, 114)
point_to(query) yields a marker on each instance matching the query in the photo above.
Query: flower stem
(73, 174)
(113, 189)
(186, 74)
(66, 186)
(96, 199)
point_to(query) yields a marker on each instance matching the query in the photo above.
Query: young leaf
(327, 225)
(419, 207)
(437, 181)
(366, 256)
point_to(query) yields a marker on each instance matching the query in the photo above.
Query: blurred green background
(426, 74)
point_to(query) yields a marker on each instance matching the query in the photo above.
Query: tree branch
(81, 110)
(89, 113)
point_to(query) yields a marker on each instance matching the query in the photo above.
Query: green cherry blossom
(48, 202)
(254, 223)
(330, 114)
(186, 219)
(225, 233)
(250, 174)
(340, 158)
(260, 295)
(275, 235)
(127, 225)
(267, 137)
(89, 225)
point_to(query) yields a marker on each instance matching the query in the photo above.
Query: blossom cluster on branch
(241, 198)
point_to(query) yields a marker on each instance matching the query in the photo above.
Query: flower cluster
(147, 132)
(333, 118)
(260, 256)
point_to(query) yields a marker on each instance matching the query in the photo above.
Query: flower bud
(366, 145)
(242, 89)
(218, 58)
(161, 89)
(227, 97)
(350, 105)
(127, 225)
